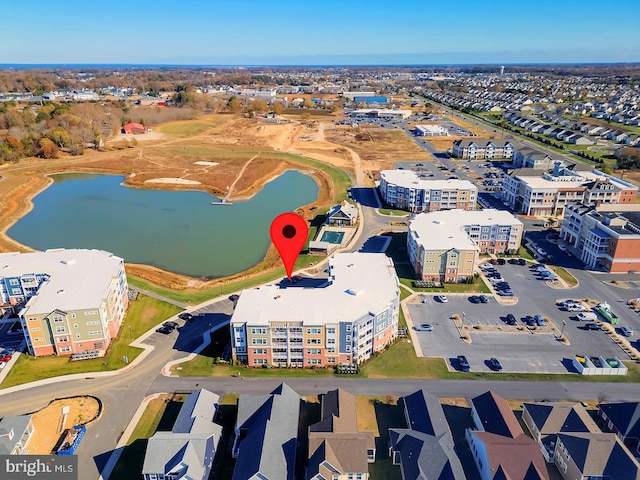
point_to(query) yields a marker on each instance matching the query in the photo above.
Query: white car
(441, 298)
(2, 365)
(575, 308)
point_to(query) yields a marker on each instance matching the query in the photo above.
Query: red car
(5, 356)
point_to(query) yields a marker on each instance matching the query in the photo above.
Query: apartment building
(541, 193)
(403, 189)
(533, 158)
(344, 319)
(479, 148)
(68, 301)
(607, 236)
(445, 246)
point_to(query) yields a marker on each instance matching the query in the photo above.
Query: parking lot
(519, 351)
(10, 340)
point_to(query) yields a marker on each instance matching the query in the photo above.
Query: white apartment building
(403, 189)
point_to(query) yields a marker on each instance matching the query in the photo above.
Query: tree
(629, 157)
(277, 108)
(233, 104)
(308, 104)
(48, 149)
(61, 137)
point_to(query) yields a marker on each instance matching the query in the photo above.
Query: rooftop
(410, 179)
(358, 283)
(79, 279)
(445, 229)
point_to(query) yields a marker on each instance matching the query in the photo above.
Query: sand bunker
(207, 164)
(177, 181)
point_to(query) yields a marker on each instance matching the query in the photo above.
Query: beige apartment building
(445, 246)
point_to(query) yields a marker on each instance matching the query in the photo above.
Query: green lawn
(393, 212)
(184, 129)
(143, 313)
(129, 466)
(524, 253)
(478, 286)
(566, 276)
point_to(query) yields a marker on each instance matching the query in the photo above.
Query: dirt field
(48, 425)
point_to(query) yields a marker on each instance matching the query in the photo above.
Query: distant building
(607, 236)
(540, 193)
(344, 320)
(403, 189)
(371, 99)
(68, 301)
(431, 131)
(382, 113)
(482, 148)
(135, 128)
(445, 246)
(187, 451)
(337, 449)
(266, 435)
(532, 158)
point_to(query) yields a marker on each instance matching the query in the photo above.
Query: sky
(318, 32)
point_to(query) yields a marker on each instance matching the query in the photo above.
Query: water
(177, 231)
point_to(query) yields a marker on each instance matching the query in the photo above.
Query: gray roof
(426, 449)
(268, 426)
(19, 426)
(188, 450)
(345, 208)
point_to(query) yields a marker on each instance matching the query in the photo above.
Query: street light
(564, 324)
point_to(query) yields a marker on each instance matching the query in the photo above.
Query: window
(314, 341)
(348, 328)
(331, 331)
(96, 332)
(13, 281)
(313, 361)
(331, 360)
(258, 331)
(95, 322)
(33, 319)
(65, 349)
(259, 361)
(331, 349)
(348, 338)
(77, 335)
(331, 340)
(371, 454)
(73, 315)
(75, 325)
(36, 329)
(258, 341)
(63, 339)
(57, 319)
(38, 339)
(259, 351)
(314, 331)
(313, 351)
(60, 329)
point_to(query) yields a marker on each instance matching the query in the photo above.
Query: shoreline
(157, 276)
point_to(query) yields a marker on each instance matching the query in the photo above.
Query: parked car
(505, 293)
(5, 356)
(164, 330)
(501, 261)
(575, 307)
(626, 331)
(539, 320)
(513, 261)
(522, 261)
(495, 364)
(425, 327)
(474, 299)
(591, 326)
(483, 299)
(530, 321)
(185, 316)
(463, 363)
(171, 324)
(511, 319)
(441, 298)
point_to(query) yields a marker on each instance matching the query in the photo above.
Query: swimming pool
(332, 237)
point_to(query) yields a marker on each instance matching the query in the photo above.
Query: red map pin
(289, 234)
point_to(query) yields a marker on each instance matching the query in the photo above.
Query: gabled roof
(197, 414)
(625, 416)
(513, 458)
(600, 454)
(554, 417)
(426, 448)
(335, 444)
(344, 209)
(19, 426)
(270, 426)
(495, 415)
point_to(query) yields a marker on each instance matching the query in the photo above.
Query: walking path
(158, 297)
(228, 195)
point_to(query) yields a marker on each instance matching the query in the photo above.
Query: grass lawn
(393, 212)
(524, 253)
(162, 409)
(143, 313)
(478, 286)
(566, 276)
(184, 129)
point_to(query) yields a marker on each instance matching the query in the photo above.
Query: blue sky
(246, 32)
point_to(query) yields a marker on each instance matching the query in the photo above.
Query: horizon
(281, 32)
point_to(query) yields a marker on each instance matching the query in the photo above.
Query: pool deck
(348, 232)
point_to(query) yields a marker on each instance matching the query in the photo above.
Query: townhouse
(482, 148)
(541, 193)
(403, 189)
(68, 301)
(343, 320)
(607, 236)
(623, 419)
(445, 246)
